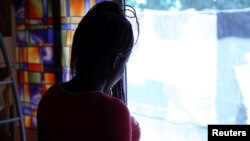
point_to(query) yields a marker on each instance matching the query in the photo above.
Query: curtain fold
(233, 35)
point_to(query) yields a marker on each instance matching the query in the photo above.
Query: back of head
(103, 33)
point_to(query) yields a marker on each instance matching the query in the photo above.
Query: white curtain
(188, 70)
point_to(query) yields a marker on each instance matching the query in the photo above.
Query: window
(190, 67)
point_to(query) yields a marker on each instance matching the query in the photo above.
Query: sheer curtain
(189, 70)
(233, 66)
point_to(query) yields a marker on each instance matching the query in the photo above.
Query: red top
(92, 116)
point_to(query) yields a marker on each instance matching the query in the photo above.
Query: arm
(136, 131)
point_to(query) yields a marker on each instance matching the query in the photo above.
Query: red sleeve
(136, 131)
(118, 126)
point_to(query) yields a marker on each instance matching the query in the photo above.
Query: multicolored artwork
(41, 59)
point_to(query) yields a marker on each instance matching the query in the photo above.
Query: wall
(7, 29)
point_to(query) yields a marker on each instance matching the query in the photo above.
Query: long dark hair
(102, 33)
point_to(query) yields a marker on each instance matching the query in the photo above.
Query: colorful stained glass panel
(34, 77)
(63, 8)
(36, 6)
(21, 36)
(23, 55)
(35, 67)
(66, 56)
(77, 8)
(37, 36)
(26, 93)
(33, 55)
(27, 119)
(49, 78)
(47, 55)
(35, 94)
(45, 88)
(50, 36)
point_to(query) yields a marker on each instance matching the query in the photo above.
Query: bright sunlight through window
(190, 68)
